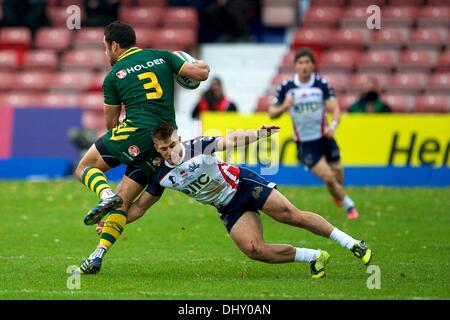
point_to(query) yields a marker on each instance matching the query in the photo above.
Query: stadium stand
(409, 55)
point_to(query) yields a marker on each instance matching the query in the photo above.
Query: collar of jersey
(128, 53)
(304, 85)
(182, 158)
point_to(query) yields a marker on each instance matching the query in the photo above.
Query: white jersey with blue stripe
(308, 111)
(200, 175)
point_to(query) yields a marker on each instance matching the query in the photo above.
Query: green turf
(180, 249)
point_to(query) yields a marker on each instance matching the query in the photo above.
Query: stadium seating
(19, 99)
(70, 81)
(409, 55)
(345, 101)
(58, 100)
(33, 80)
(443, 63)
(428, 38)
(89, 38)
(378, 60)
(322, 17)
(400, 102)
(339, 60)
(180, 17)
(91, 101)
(349, 38)
(432, 103)
(396, 16)
(434, 16)
(142, 17)
(15, 38)
(84, 59)
(58, 39)
(338, 81)
(389, 38)
(439, 83)
(8, 60)
(406, 83)
(41, 60)
(417, 61)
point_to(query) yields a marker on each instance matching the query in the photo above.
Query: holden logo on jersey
(193, 167)
(133, 151)
(157, 162)
(121, 74)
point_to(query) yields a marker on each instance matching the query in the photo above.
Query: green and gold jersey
(142, 80)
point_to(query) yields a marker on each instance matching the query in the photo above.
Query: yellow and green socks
(113, 227)
(95, 180)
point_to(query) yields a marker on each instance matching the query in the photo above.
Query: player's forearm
(140, 206)
(276, 112)
(112, 115)
(240, 138)
(111, 123)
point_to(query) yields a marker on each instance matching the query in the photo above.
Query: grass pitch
(180, 249)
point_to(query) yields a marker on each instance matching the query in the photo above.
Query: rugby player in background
(307, 98)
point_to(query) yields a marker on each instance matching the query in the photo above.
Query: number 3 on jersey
(152, 84)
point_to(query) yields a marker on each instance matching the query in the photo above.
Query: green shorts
(129, 144)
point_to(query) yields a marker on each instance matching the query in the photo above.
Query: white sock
(106, 193)
(305, 255)
(347, 203)
(343, 239)
(99, 252)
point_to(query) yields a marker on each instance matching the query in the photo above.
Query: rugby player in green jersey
(141, 80)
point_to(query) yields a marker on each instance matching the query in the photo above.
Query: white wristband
(334, 124)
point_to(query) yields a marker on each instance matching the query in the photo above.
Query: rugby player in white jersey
(308, 98)
(238, 194)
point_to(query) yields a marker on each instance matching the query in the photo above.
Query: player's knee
(255, 251)
(80, 169)
(329, 178)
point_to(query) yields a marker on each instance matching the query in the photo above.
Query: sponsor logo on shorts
(257, 192)
(133, 151)
(121, 74)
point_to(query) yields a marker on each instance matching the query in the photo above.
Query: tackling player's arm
(239, 138)
(198, 71)
(112, 114)
(136, 210)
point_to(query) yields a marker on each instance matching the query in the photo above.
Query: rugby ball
(186, 82)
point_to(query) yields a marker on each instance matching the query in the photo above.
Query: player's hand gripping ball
(186, 82)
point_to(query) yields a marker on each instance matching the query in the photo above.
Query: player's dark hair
(162, 131)
(121, 33)
(305, 52)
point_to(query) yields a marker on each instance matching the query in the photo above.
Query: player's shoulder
(161, 172)
(320, 81)
(200, 144)
(288, 84)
